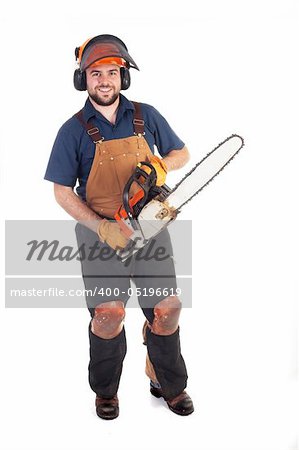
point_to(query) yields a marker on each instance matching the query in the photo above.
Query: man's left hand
(160, 168)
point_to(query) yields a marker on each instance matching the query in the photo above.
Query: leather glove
(111, 233)
(160, 168)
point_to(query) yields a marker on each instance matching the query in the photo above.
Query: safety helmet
(104, 48)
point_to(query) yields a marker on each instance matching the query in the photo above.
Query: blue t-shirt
(73, 150)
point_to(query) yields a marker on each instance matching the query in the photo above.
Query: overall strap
(91, 130)
(138, 121)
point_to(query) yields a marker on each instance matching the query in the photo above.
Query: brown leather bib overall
(113, 164)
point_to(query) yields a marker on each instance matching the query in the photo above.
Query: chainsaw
(152, 208)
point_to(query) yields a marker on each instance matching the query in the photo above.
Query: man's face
(103, 83)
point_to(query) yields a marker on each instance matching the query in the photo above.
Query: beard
(103, 100)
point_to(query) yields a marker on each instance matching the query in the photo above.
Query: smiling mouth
(105, 90)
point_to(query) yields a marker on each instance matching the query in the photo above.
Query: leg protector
(107, 322)
(149, 368)
(167, 314)
(106, 362)
(168, 364)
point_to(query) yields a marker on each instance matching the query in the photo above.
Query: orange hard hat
(104, 47)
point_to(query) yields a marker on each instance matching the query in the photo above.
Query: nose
(103, 79)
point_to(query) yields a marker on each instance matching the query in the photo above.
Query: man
(99, 148)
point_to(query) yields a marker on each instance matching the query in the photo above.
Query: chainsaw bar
(204, 171)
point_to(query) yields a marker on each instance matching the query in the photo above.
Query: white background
(212, 68)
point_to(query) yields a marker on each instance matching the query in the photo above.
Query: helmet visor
(100, 50)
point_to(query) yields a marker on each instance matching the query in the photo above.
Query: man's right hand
(111, 233)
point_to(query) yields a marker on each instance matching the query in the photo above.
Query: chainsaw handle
(148, 181)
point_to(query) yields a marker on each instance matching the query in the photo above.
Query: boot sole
(107, 417)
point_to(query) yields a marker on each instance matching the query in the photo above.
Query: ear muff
(79, 80)
(125, 78)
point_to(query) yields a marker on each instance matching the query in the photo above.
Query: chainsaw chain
(212, 178)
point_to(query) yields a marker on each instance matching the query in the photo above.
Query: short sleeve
(63, 163)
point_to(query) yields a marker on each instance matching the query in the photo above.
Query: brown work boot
(181, 404)
(107, 408)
